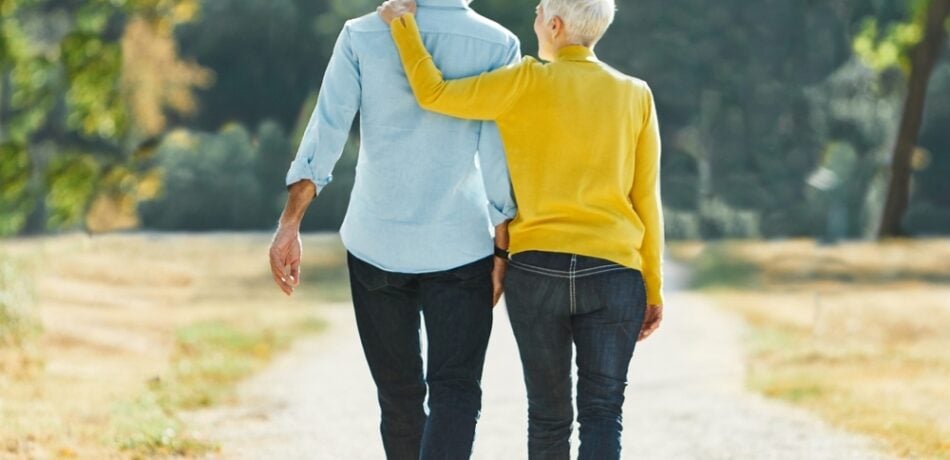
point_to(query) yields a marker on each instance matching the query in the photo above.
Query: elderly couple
(447, 109)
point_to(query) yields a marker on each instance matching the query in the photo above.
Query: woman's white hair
(585, 21)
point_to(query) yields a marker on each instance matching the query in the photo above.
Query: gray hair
(585, 21)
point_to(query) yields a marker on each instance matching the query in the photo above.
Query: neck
(565, 44)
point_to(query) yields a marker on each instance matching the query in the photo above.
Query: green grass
(17, 322)
(144, 428)
(209, 359)
(716, 267)
(869, 357)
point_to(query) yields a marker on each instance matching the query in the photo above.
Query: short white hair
(585, 21)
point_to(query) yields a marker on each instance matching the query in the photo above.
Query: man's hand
(391, 10)
(498, 279)
(501, 264)
(286, 251)
(652, 321)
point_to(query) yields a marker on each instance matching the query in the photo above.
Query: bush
(209, 183)
(15, 199)
(926, 219)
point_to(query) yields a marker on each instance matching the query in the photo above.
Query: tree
(915, 47)
(79, 94)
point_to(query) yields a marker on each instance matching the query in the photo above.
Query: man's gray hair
(585, 21)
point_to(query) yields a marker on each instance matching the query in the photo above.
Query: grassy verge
(18, 324)
(856, 333)
(128, 332)
(209, 359)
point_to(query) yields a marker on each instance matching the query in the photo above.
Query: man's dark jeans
(559, 300)
(457, 305)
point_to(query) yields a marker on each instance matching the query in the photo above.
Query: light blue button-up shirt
(428, 187)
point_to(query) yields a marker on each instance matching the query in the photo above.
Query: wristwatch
(501, 253)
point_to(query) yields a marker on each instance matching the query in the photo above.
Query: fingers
(648, 331)
(392, 9)
(497, 282)
(652, 322)
(281, 280)
(282, 284)
(281, 277)
(295, 273)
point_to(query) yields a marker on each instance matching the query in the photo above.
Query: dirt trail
(686, 399)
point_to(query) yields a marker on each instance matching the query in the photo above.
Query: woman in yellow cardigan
(583, 148)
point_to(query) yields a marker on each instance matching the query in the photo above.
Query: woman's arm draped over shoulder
(484, 97)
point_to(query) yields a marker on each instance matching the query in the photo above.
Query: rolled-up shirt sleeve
(491, 157)
(329, 126)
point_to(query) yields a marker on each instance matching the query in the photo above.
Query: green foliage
(92, 64)
(15, 198)
(926, 218)
(267, 58)
(209, 182)
(72, 183)
(888, 45)
(750, 95)
(61, 65)
(274, 153)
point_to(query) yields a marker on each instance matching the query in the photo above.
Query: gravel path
(686, 400)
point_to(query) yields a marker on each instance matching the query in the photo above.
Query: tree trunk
(923, 59)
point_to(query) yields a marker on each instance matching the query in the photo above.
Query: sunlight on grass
(856, 332)
(209, 359)
(19, 327)
(119, 335)
(17, 322)
(143, 426)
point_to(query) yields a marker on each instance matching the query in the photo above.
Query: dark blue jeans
(457, 305)
(557, 302)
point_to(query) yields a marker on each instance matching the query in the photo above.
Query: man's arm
(491, 157)
(494, 168)
(484, 97)
(329, 126)
(320, 149)
(286, 249)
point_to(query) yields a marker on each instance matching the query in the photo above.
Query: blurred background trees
(780, 117)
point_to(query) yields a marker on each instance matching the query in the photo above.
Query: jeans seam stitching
(539, 269)
(589, 270)
(539, 272)
(612, 269)
(573, 287)
(602, 267)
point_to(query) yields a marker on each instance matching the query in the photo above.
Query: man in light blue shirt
(428, 190)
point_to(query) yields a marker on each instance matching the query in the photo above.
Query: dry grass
(857, 332)
(137, 327)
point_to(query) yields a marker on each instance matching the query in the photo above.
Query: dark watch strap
(499, 252)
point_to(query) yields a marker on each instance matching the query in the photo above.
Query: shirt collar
(444, 3)
(576, 53)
